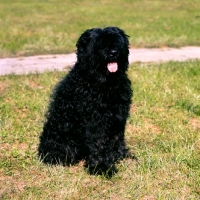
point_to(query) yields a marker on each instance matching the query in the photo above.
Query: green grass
(53, 26)
(162, 131)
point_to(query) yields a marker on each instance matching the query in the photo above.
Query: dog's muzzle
(112, 66)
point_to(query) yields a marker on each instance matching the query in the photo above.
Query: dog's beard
(112, 67)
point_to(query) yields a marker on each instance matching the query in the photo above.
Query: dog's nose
(113, 52)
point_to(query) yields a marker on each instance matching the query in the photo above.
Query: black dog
(89, 107)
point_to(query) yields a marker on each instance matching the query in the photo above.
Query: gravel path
(38, 64)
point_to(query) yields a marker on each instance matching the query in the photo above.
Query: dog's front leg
(99, 157)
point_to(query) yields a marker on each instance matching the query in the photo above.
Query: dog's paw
(108, 172)
(130, 156)
(126, 155)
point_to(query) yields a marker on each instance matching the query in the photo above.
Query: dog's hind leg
(57, 146)
(55, 152)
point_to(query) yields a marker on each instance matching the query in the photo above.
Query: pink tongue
(112, 67)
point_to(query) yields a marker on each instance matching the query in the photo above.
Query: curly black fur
(89, 107)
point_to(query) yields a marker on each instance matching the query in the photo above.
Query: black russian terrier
(89, 107)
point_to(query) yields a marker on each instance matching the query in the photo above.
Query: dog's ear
(84, 41)
(126, 40)
(114, 29)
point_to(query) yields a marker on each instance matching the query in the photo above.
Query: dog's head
(104, 50)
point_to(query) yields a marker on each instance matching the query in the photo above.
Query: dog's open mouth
(112, 67)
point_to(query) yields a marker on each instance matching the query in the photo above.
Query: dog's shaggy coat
(89, 107)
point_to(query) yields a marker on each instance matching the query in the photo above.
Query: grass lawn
(53, 26)
(163, 131)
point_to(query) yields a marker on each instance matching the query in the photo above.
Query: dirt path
(33, 64)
